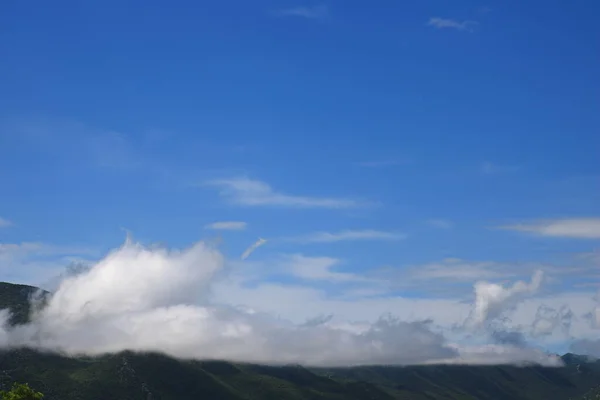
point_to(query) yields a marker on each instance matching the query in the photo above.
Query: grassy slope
(144, 376)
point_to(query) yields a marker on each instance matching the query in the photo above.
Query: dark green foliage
(130, 376)
(20, 391)
(17, 299)
(143, 376)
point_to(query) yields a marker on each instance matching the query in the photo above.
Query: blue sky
(389, 138)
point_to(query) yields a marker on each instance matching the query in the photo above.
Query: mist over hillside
(143, 298)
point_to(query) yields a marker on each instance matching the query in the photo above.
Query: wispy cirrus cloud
(249, 192)
(318, 268)
(458, 270)
(440, 223)
(489, 168)
(227, 226)
(314, 12)
(446, 23)
(577, 228)
(348, 235)
(383, 163)
(69, 141)
(5, 223)
(38, 263)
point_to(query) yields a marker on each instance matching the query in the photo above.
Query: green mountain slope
(154, 376)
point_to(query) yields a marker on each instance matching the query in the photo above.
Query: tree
(20, 391)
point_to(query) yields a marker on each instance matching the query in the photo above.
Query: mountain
(129, 376)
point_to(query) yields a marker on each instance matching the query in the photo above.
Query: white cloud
(154, 300)
(440, 223)
(442, 23)
(317, 268)
(448, 276)
(461, 271)
(250, 192)
(180, 303)
(252, 248)
(492, 299)
(581, 228)
(227, 226)
(316, 12)
(4, 223)
(348, 235)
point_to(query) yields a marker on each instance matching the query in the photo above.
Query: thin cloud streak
(316, 12)
(445, 23)
(440, 223)
(575, 228)
(488, 168)
(227, 226)
(319, 268)
(252, 248)
(4, 223)
(254, 193)
(348, 235)
(382, 163)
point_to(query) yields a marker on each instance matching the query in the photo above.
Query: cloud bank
(154, 299)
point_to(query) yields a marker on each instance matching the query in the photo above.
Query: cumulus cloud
(579, 228)
(248, 192)
(154, 299)
(227, 226)
(348, 235)
(492, 299)
(446, 23)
